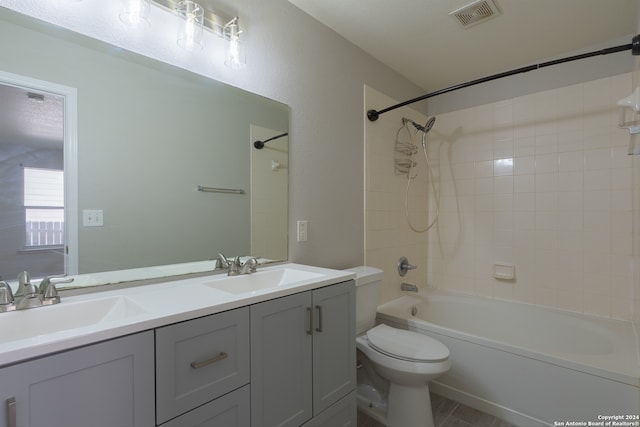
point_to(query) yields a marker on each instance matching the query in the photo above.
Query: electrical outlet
(92, 218)
(302, 231)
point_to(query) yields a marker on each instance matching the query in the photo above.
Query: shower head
(426, 128)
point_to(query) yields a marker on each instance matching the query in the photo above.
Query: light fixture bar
(213, 21)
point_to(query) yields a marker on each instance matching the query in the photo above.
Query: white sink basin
(27, 324)
(261, 280)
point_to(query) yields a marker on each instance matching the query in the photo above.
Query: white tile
(546, 163)
(503, 184)
(597, 179)
(524, 165)
(524, 184)
(484, 168)
(546, 182)
(503, 166)
(524, 220)
(546, 220)
(524, 146)
(524, 201)
(571, 140)
(570, 181)
(503, 202)
(571, 161)
(484, 186)
(570, 221)
(546, 143)
(570, 201)
(547, 201)
(597, 159)
(621, 200)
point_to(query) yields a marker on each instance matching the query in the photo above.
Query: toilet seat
(406, 345)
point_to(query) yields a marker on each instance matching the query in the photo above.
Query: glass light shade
(191, 31)
(135, 13)
(235, 57)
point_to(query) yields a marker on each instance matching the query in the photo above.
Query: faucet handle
(250, 265)
(50, 295)
(49, 280)
(23, 281)
(7, 302)
(235, 266)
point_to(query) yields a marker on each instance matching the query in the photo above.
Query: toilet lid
(406, 345)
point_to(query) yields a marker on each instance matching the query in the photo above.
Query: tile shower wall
(542, 182)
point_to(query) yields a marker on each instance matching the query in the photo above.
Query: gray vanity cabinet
(303, 356)
(107, 384)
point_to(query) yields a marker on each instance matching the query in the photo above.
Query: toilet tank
(368, 281)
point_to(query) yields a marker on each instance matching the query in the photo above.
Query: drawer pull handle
(310, 315)
(198, 365)
(12, 420)
(319, 327)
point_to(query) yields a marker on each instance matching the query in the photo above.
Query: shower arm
(260, 144)
(634, 46)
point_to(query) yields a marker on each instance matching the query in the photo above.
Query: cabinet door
(281, 372)
(343, 413)
(108, 384)
(334, 344)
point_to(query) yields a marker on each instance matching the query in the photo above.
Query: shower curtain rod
(634, 46)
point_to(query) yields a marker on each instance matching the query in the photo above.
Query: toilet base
(409, 406)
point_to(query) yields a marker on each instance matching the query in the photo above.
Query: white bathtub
(527, 364)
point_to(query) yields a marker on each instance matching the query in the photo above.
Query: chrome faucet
(249, 266)
(408, 287)
(29, 295)
(235, 267)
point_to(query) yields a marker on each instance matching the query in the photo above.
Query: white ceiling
(419, 39)
(29, 121)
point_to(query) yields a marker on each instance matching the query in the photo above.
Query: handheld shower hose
(410, 177)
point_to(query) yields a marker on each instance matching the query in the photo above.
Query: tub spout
(408, 287)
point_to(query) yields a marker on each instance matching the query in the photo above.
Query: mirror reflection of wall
(32, 190)
(148, 135)
(269, 166)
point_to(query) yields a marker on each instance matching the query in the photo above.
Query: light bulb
(135, 13)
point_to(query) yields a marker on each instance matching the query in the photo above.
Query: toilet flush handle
(404, 266)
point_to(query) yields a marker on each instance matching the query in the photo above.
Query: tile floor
(449, 413)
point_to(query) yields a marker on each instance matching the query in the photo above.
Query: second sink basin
(27, 324)
(261, 280)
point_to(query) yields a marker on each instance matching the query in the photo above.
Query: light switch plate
(302, 231)
(92, 218)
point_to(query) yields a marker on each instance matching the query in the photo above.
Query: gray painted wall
(296, 60)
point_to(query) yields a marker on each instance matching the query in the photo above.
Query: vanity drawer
(230, 410)
(200, 360)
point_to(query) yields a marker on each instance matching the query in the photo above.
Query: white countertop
(145, 307)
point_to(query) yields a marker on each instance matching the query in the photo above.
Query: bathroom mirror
(149, 136)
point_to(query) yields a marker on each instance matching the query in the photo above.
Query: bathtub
(526, 364)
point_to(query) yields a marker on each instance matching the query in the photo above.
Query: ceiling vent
(475, 13)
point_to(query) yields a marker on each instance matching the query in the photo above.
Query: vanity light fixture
(135, 13)
(191, 31)
(234, 57)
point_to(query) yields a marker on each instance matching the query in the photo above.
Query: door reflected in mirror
(32, 210)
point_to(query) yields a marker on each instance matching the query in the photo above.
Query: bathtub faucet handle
(404, 266)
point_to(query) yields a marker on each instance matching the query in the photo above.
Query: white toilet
(395, 365)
